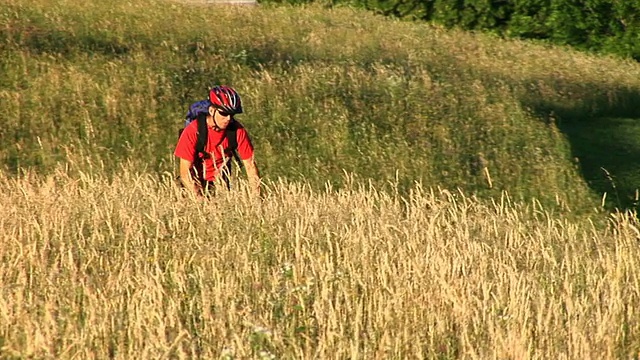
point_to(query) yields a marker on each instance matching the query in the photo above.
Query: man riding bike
(201, 169)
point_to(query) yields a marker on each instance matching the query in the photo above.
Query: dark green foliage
(400, 8)
(608, 26)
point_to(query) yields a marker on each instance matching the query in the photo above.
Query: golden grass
(100, 261)
(96, 268)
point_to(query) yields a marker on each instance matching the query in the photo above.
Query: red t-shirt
(217, 147)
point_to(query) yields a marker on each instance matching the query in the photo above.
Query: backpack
(198, 111)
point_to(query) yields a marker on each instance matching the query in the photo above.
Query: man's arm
(185, 177)
(253, 175)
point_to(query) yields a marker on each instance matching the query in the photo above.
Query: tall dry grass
(124, 268)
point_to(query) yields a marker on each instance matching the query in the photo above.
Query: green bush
(607, 26)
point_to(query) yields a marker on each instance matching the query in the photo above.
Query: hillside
(327, 92)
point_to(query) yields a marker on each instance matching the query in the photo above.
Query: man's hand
(253, 175)
(185, 178)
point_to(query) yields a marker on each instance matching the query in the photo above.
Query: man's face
(220, 118)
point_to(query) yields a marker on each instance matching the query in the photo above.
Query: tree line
(605, 26)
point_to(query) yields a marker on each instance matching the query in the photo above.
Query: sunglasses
(224, 113)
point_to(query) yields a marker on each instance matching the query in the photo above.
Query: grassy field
(326, 92)
(97, 269)
(429, 193)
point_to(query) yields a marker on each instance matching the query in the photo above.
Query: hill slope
(326, 92)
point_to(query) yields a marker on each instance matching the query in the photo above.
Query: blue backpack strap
(198, 111)
(232, 138)
(203, 136)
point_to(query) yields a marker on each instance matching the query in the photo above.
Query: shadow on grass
(605, 141)
(43, 40)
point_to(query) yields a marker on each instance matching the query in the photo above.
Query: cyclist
(220, 138)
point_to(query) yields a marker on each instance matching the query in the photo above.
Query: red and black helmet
(226, 99)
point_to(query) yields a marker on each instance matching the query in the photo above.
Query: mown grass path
(608, 153)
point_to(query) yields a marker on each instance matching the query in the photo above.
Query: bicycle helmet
(225, 98)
